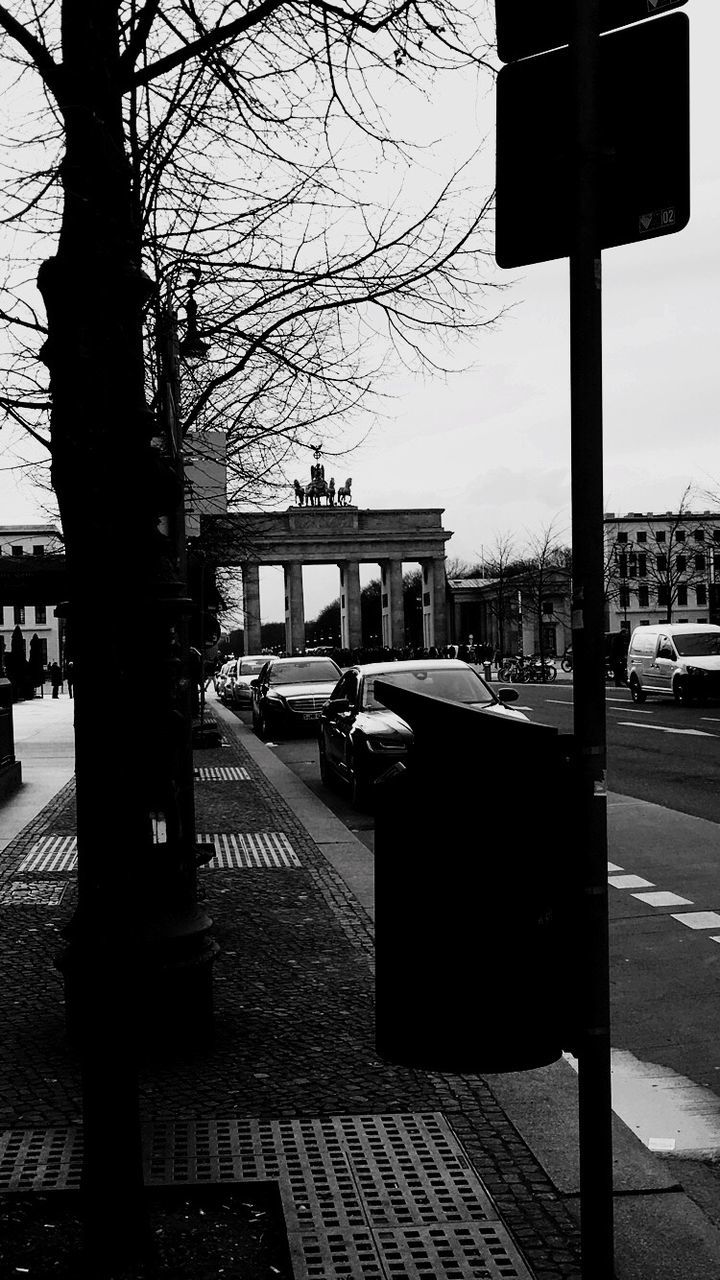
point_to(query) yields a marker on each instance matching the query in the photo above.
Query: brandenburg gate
(347, 536)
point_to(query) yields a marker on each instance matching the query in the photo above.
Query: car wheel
(261, 726)
(681, 692)
(636, 692)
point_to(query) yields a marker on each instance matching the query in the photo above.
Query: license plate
(311, 715)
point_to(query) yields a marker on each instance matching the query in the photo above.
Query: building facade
(662, 567)
(38, 618)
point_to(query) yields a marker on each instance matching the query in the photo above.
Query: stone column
(294, 609)
(433, 600)
(251, 606)
(393, 613)
(350, 617)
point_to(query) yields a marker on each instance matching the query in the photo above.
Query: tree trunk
(132, 770)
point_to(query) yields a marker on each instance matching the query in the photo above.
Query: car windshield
(250, 666)
(457, 685)
(697, 644)
(304, 672)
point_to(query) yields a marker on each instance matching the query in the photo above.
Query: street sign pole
(588, 638)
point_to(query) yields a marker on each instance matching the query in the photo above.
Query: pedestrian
(70, 676)
(55, 678)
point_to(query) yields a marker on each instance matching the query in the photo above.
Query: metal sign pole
(595, 1106)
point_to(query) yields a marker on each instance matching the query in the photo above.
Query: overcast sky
(492, 446)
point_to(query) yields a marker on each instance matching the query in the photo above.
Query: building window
(40, 614)
(700, 563)
(624, 597)
(622, 537)
(661, 564)
(547, 608)
(662, 595)
(701, 593)
(633, 565)
(699, 535)
(17, 551)
(679, 535)
(642, 537)
(681, 563)
(19, 615)
(622, 564)
(38, 551)
(661, 536)
(642, 566)
(682, 596)
(643, 597)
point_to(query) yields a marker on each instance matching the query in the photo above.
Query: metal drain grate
(40, 1159)
(254, 849)
(51, 853)
(389, 1196)
(44, 893)
(222, 773)
(471, 1252)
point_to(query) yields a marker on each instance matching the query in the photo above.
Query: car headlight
(386, 745)
(275, 697)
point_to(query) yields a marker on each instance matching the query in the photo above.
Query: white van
(681, 660)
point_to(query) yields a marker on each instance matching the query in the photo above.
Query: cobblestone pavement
(294, 1031)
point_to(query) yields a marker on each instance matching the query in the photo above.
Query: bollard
(488, 671)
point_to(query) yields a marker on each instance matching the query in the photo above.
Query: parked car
(223, 680)
(680, 660)
(246, 668)
(359, 738)
(289, 693)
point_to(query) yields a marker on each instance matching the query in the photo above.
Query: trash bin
(473, 892)
(487, 669)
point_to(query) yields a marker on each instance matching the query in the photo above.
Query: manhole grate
(222, 773)
(51, 853)
(474, 1251)
(254, 849)
(44, 893)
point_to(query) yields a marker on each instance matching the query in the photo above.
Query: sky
(491, 445)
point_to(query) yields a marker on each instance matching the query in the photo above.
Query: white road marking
(711, 719)
(629, 882)
(663, 728)
(558, 702)
(662, 898)
(613, 867)
(639, 711)
(667, 1111)
(699, 919)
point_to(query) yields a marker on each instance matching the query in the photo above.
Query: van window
(666, 650)
(698, 644)
(643, 642)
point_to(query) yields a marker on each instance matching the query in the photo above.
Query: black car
(359, 738)
(289, 693)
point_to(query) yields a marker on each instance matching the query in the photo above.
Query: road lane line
(630, 882)
(698, 919)
(663, 728)
(663, 898)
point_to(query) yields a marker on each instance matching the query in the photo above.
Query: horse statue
(344, 494)
(310, 494)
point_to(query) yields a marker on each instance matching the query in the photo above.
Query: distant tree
(544, 576)
(17, 665)
(502, 596)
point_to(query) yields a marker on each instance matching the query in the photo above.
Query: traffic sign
(525, 27)
(644, 169)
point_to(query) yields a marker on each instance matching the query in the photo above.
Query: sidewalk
(383, 1170)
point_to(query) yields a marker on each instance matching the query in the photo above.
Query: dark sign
(525, 27)
(644, 178)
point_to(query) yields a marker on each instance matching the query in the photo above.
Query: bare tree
(502, 594)
(131, 111)
(544, 576)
